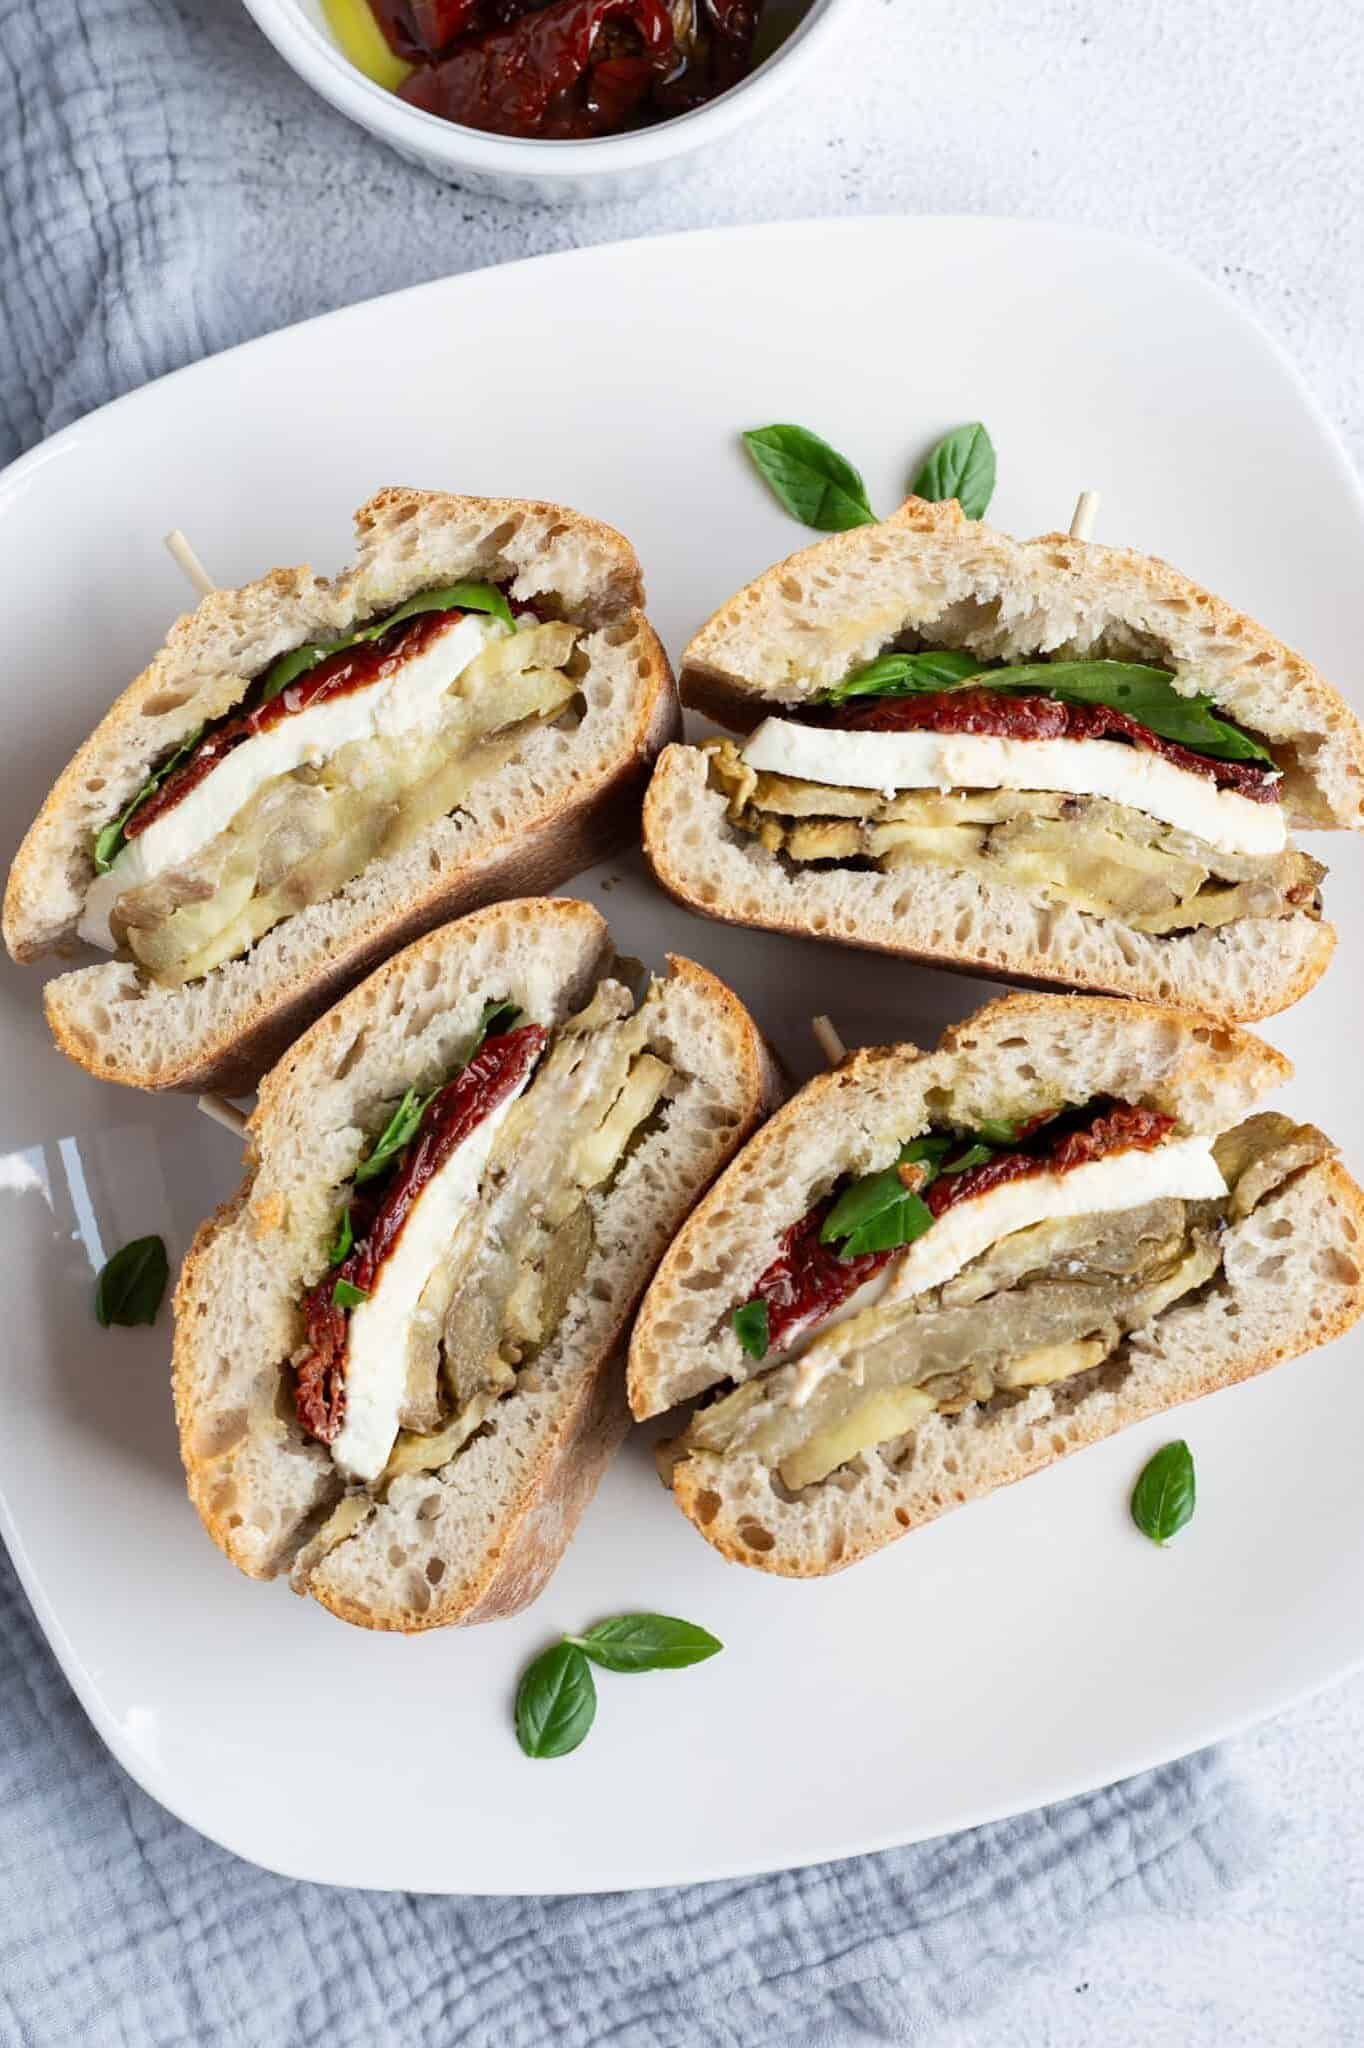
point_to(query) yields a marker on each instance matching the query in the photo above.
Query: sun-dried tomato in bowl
(567, 70)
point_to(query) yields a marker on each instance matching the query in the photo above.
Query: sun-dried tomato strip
(1001, 716)
(808, 1280)
(496, 1069)
(1126, 1127)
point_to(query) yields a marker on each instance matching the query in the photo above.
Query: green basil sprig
(399, 1131)
(999, 1130)
(646, 1642)
(464, 597)
(346, 1294)
(905, 675)
(499, 1014)
(130, 1285)
(110, 842)
(811, 480)
(1144, 693)
(556, 1701)
(821, 488)
(962, 466)
(1165, 1495)
(750, 1325)
(879, 1213)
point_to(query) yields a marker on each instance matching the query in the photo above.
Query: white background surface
(1227, 131)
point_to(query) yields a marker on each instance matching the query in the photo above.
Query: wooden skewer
(828, 1040)
(181, 551)
(1086, 514)
(223, 1112)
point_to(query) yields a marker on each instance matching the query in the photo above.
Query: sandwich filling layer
(1105, 789)
(464, 1234)
(1052, 1254)
(338, 756)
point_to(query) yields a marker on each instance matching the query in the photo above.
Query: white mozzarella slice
(1182, 1168)
(409, 699)
(376, 1350)
(894, 761)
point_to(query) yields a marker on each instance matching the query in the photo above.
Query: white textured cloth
(168, 188)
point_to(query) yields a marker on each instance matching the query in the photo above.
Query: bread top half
(813, 619)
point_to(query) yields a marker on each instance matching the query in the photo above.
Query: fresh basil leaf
(345, 1239)
(1165, 1495)
(962, 466)
(556, 1702)
(904, 675)
(875, 1193)
(750, 1325)
(975, 1155)
(498, 1016)
(997, 1130)
(646, 1642)
(109, 843)
(397, 1132)
(346, 1295)
(130, 1284)
(898, 1224)
(296, 663)
(811, 480)
(451, 597)
(1144, 693)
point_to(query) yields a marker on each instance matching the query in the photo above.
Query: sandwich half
(309, 774)
(934, 1273)
(1052, 761)
(399, 1349)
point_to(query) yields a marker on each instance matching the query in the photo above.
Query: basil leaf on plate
(1144, 693)
(646, 1642)
(962, 466)
(131, 1284)
(399, 1131)
(906, 675)
(750, 1325)
(110, 842)
(1164, 1497)
(811, 480)
(346, 1294)
(556, 1702)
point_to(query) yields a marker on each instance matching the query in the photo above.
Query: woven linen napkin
(168, 189)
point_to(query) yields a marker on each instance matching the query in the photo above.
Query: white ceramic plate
(1029, 1647)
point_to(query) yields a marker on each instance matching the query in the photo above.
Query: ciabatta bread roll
(275, 805)
(399, 1348)
(1047, 760)
(933, 1273)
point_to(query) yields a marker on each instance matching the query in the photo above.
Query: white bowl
(552, 173)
